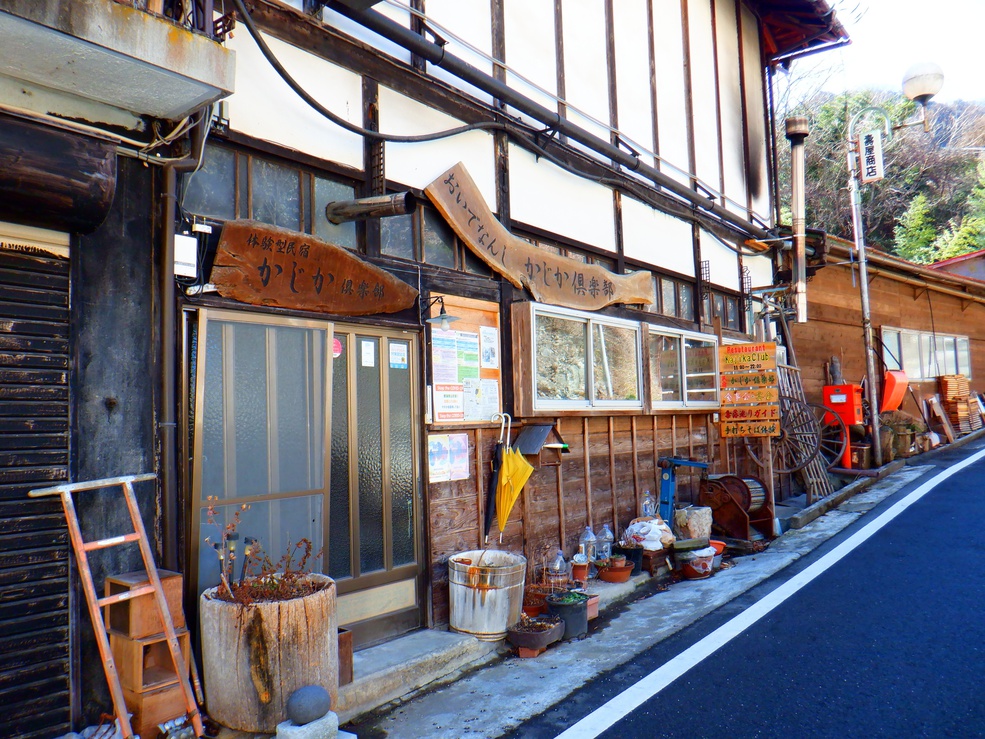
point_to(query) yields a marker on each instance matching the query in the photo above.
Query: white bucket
(485, 590)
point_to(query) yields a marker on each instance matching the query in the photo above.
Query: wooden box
(345, 656)
(145, 664)
(154, 707)
(139, 617)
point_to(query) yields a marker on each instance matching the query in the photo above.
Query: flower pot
(617, 560)
(696, 564)
(534, 610)
(632, 554)
(519, 637)
(255, 656)
(573, 610)
(616, 574)
(579, 571)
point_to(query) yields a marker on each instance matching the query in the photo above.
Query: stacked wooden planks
(957, 401)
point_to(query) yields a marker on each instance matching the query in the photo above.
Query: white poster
(368, 353)
(489, 340)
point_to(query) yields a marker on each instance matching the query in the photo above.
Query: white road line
(633, 697)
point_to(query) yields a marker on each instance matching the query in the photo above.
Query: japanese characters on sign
(750, 390)
(870, 166)
(265, 265)
(550, 278)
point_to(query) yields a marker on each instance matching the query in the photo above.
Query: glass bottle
(603, 543)
(648, 505)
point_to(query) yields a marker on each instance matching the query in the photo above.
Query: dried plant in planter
(261, 579)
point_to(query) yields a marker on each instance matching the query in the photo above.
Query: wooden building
(172, 286)
(925, 321)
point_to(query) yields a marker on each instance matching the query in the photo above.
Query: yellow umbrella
(513, 475)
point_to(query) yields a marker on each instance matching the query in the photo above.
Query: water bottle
(649, 507)
(586, 543)
(603, 543)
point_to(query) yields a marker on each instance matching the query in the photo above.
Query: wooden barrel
(255, 656)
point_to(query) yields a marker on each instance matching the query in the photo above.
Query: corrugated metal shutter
(34, 546)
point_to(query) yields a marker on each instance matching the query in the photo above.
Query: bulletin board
(466, 363)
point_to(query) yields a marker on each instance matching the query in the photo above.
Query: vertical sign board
(750, 390)
(870, 166)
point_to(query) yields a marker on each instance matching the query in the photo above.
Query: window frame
(930, 346)
(590, 321)
(686, 401)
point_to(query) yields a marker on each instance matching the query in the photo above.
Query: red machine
(845, 401)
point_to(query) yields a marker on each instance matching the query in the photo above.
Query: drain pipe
(436, 54)
(167, 423)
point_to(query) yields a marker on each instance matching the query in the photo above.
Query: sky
(888, 36)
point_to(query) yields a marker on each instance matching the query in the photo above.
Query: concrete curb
(812, 512)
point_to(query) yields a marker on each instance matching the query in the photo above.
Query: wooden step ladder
(96, 604)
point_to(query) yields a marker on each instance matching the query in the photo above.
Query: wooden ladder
(96, 604)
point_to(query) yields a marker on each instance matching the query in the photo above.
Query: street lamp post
(920, 83)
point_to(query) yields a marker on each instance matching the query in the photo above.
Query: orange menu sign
(750, 390)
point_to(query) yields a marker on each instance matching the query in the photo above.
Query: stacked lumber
(957, 401)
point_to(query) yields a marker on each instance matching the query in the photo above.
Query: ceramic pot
(535, 639)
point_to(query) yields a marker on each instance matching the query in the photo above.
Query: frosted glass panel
(213, 418)
(700, 363)
(211, 190)
(276, 194)
(339, 539)
(369, 451)
(665, 369)
(249, 409)
(300, 420)
(277, 524)
(401, 454)
(342, 234)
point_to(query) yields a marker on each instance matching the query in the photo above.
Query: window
(724, 307)
(425, 236)
(234, 184)
(683, 369)
(925, 355)
(583, 361)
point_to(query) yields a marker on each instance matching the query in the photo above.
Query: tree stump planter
(255, 656)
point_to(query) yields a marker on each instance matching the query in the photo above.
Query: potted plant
(265, 635)
(535, 633)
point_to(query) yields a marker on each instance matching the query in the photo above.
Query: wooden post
(636, 466)
(771, 499)
(612, 470)
(656, 465)
(588, 471)
(560, 495)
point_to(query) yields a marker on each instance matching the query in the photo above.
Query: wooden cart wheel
(834, 435)
(799, 440)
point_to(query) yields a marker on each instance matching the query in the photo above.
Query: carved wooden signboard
(750, 390)
(265, 265)
(550, 278)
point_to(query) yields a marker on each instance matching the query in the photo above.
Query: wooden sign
(750, 428)
(747, 357)
(550, 278)
(750, 379)
(752, 395)
(265, 265)
(751, 413)
(749, 390)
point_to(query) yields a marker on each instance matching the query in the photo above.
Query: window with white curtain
(924, 355)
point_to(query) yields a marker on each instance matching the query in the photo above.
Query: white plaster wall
(635, 111)
(417, 165)
(704, 93)
(547, 197)
(671, 111)
(586, 82)
(760, 270)
(531, 51)
(471, 22)
(268, 109)
(733, 161)
(363, 34)
(755, 107)
(656, 238)
(723, 262)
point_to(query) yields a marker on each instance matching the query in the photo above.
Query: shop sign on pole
(870, 166)
(749, 390)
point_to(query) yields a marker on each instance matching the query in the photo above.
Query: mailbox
(846, 401)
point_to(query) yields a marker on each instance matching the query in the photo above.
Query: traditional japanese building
(225, 229)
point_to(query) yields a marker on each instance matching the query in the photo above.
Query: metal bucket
(485, 592)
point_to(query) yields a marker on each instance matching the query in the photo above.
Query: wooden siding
(834, 326)
(560, 500)
(34, 601)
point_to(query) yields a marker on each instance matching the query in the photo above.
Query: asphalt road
(887, 641)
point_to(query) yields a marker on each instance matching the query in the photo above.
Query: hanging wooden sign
(260, 264)
(550, 278)
(750, 428)
(747, 357)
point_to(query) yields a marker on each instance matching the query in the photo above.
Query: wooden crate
(145, 664)
(139, 617)
(153, 707)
